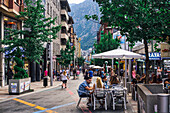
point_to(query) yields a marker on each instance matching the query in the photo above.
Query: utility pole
(51, 63)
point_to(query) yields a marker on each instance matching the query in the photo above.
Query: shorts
(85, 95)
(64, 81)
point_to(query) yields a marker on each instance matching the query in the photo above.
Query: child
(78, 73)
(64, 78)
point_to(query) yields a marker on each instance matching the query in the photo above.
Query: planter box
(148, 97)
(17, 86)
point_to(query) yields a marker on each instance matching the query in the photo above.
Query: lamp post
(106, 62)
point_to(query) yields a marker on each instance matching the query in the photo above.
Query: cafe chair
(80, 97)
(118, 94)
(100, 94)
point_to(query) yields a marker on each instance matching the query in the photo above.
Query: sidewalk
(36, 86)
(133, 104)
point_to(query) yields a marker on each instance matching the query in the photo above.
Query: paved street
(52, 101)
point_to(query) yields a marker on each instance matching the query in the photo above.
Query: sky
(75, 1)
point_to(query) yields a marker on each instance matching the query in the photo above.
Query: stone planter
(17, 86)
(148, 97)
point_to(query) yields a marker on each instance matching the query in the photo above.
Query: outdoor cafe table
(111, 89)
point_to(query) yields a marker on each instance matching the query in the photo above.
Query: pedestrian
(77, 73)
(58, 75)
(54, 74)
(134, 73)
(159, 71)
(84, 89)
(102, 74)
(64, 79)
(74, 73)
(9, 75)
(83, 71)
(46, 73)
(71, 72)
(121, 72)
(91, 73)
(68, 72)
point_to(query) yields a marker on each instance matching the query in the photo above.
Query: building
(53, 9)
(65, 8)
(8, 11)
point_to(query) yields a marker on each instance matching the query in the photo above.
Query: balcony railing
(11, 4)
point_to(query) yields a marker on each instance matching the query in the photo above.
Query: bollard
(163, 103)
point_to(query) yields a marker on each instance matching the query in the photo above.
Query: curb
(30, 93)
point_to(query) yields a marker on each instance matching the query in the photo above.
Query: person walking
(134, 73)
(64, 79)
(77, 73)
(159, 71)
(10, 75)
(74, 73)
(68, 72)
(91, 73)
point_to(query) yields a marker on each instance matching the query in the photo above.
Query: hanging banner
(165, 51)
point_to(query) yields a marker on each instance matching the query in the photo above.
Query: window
(51, 11)
(47, 8)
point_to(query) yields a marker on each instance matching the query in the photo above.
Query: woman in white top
(64, 79)
(97, 86)
(159, 71)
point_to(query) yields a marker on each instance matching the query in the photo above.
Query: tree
(67, 55)
(106, 43)
(81, 61)
(36, 31)
(139, 20)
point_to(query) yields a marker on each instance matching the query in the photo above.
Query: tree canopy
(139, 20)
(37, 29)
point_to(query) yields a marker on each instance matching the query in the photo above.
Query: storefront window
(10, 23)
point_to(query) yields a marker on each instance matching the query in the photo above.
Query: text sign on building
(154, 56)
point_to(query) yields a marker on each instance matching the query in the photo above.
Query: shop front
(11, 23)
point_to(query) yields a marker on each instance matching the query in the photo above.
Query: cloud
(75, 1)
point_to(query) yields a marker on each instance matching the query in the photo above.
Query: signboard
(22, 87)
(27, 85)
(165, 50)
(154, 56)
(14, 87)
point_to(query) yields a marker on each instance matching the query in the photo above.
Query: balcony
(10, 6)
(64, 36)
(64, 12)
(64, 24)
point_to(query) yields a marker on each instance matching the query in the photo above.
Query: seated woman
(154, 79)
(143, 78)
(98, 86)
(114, 80)
(159, 80)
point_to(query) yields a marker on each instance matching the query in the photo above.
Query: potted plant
(21, 81)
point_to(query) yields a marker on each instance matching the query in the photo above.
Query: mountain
(86, 30)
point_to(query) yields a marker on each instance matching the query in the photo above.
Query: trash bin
(163, 103)
(45, 81)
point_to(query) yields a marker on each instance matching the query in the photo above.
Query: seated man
(167, 82)
(84, 88)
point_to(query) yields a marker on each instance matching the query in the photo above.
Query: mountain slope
(86, 30)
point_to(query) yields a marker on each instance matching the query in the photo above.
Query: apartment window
(54, 15)
(51, 11)
(47, 8)
(17, 1)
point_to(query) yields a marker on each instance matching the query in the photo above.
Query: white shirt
(67, 71)
(63, 77)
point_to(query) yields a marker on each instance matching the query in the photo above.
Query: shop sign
(154, 56)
